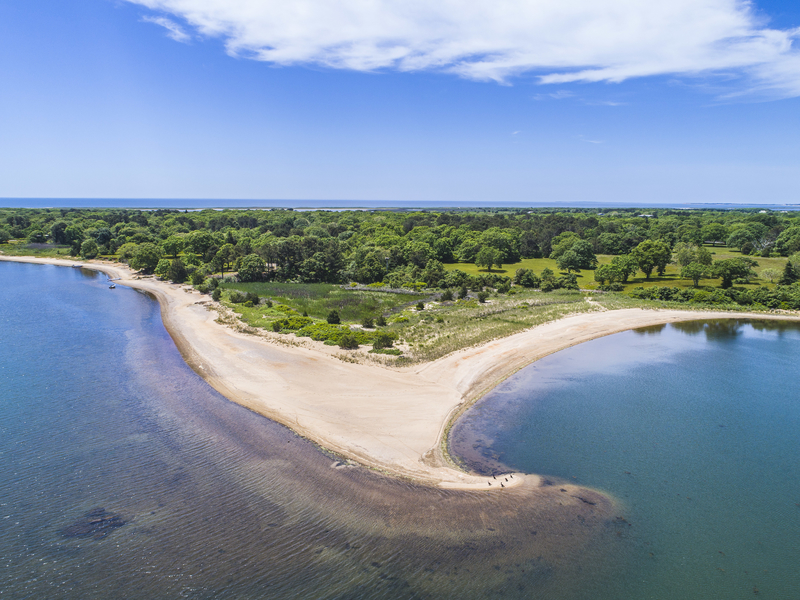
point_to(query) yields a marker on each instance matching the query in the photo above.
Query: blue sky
(549, 101)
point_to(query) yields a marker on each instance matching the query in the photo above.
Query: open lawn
(671, 277)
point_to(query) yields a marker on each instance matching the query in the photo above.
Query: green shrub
(447, 296)
(291, 323)
(333, 317)
(237, 297)
(348, 342)
(216, 295)
(252, 297)
(482, 296)
(383, 339)
(368, 322)
(381, 322)
(420, 306)
(198, 278)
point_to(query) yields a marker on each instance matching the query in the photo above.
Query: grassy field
(318, 299)
(671, 277)
(21, 248)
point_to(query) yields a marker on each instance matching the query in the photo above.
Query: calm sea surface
(696, 429)
(124, 475)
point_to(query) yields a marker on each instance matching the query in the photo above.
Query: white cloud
(560, 41)
(584, 139)
(174, 30)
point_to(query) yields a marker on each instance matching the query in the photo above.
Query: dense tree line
(402, 248)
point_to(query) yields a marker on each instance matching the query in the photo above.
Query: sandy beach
(393, 420)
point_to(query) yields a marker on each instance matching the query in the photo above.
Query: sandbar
(394, 420)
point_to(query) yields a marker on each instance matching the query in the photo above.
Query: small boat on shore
(112, 286)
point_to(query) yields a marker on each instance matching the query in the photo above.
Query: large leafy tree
(251, 268)
(694, 271)
(489, 256)
(146, 257)
(733, 268)
(650, 255)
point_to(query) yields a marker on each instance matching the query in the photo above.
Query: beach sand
(390, 419)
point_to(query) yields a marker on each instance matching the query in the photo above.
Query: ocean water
(124, 475)
(694, 427)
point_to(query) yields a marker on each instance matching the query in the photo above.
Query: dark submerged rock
(95, 524)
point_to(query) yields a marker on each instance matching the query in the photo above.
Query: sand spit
(393, 420)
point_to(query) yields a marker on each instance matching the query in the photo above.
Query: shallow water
(695, 427)
(201, 498)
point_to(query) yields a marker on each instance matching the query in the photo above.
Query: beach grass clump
(389, 351)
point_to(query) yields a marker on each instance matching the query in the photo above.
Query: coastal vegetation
(434, 281)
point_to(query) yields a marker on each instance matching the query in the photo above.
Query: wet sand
(392, 420)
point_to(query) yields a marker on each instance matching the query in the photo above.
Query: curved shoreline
(392, 420)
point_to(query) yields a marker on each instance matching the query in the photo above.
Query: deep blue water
(695, 428)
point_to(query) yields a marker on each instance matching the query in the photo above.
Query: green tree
(333, 317)
(173, 245)
(733, 268)
(684, 253)
(569, 261)
(770, 274)
(610, 273)
(788, 241)
(789, 275)
(199, 242)
(625, 265)
(704, 256)
(89, 249)
(251, 268)
(714, 233)
(177, 271)
(695, 272)
(650, 255)
(162, 268)
(488, 256)
(562, 243)
(145, 257)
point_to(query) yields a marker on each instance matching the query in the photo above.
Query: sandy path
(390, 419)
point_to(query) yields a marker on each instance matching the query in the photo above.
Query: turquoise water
(124, 475)
(695, 428)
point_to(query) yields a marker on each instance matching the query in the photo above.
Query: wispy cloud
(585, 139)
(174, 30)
(559, 95)
(558, 41)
